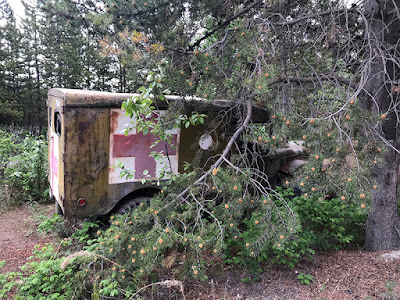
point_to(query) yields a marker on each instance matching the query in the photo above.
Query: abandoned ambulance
(86, 141)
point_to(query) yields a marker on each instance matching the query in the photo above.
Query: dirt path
(18, 236)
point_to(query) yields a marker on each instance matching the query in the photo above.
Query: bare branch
(314, 78)
(311, 16)
(226, 22)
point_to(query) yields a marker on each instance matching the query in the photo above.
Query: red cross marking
(54, 161)
(138, 146)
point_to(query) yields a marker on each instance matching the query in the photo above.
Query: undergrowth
(23, 169)
(153, 243)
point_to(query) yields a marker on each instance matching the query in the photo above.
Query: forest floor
(346, 274)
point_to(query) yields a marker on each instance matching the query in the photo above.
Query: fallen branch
(167, 283)
(228, 147)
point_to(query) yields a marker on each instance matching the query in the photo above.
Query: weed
(305, 279)
(54, 225)
(389, 294)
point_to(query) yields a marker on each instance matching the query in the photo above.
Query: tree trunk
(383, 225)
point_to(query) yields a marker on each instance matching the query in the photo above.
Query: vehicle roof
(90, 98)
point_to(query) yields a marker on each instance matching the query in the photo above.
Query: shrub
(333, 223)
(8, 149)
(26, 172)
(48, 275)
(322, 224)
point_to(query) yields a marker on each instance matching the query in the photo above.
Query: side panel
(190, 148)
(133, 151)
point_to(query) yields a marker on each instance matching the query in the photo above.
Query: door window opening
(57, 123)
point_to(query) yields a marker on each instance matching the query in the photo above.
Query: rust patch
(85, 129)
(114, 120)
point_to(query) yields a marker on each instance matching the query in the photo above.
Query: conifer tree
(10, 71)
(313, 63)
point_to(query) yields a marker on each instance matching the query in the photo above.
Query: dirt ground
(18, 235)
(337, 275)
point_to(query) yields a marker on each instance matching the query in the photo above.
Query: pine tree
(307, 61)
(10, 71)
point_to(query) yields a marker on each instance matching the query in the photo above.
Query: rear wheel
(131, 204)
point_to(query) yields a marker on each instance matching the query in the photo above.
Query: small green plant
(304, 278)
(85, 235)
(8, 149)
(322, 224)
(47, 275)
(55, 224)
(389, 294)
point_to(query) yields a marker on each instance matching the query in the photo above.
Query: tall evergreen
(10, 70)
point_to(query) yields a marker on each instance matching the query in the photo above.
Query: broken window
(57, 122)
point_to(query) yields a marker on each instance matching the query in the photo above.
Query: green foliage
(323, 224)
(82, 235)
(333, 223)
(44, 277)
(305, 279)
(85, 234)
(390, 293)
(8, 148)
(26, 172)
(56, 225)
(180, 238)
(51, 225)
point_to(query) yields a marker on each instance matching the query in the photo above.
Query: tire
(131, 204)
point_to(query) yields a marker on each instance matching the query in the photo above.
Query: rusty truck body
(86, 140)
